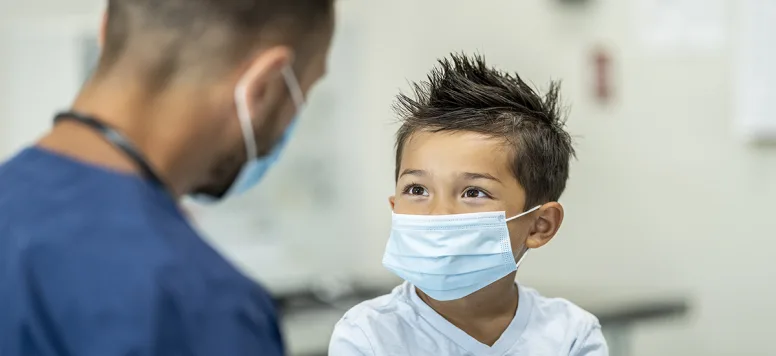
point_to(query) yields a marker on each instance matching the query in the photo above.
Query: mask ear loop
(526, 248)
(525, 213)
(293, 87)
(244, 115)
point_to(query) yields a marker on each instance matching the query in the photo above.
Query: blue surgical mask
(449, 257)
(256, 167)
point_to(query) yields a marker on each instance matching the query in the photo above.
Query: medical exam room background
(666, 197)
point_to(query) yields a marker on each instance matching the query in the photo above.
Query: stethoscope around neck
(116, 139)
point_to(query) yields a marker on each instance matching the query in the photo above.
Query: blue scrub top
(99, 263)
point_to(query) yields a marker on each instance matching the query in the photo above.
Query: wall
(663, 196)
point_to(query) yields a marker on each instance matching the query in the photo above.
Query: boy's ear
(392, 200)
(546, 224)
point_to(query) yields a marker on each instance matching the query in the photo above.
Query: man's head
(197, 52)
(475, 139)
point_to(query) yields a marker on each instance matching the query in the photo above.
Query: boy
(481, 161)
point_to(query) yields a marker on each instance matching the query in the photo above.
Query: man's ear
(546, 224)
(261, 73)
(392, 201)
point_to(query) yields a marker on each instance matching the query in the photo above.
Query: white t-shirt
(400, 323)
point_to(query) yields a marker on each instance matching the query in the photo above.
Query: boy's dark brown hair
(463, 94)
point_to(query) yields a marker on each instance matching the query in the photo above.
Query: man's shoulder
(96, 293)
(152, 307)
(135, 262)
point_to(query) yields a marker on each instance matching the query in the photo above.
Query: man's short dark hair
(190, 33)
(463, 94)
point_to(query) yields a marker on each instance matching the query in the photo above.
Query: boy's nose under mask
(449, 257)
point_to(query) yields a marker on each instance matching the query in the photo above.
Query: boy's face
(463, 172)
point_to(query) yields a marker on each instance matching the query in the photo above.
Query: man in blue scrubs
(190, 97)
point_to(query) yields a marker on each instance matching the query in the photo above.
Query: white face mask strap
(526, 248)
(244, 115)
(293, 87)
(525, 213)
(522, 257)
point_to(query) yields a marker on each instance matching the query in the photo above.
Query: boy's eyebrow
(473, 176)
(413, 172)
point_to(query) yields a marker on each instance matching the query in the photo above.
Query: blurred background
(670, 227)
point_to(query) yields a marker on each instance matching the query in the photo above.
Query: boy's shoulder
(384, 306)
(397, 323)
(557, 308)
(399, 305)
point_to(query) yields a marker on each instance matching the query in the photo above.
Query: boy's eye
(475, 193)
(416, 190)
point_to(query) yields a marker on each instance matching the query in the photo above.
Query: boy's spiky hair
(463, 94)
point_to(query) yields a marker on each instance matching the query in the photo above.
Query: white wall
(663, 196)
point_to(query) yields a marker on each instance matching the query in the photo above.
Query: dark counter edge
(622, 314)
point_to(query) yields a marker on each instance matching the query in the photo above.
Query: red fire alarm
(603, 87)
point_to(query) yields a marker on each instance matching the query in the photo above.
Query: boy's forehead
(456, 150)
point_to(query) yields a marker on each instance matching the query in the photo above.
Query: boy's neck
(485, 314)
